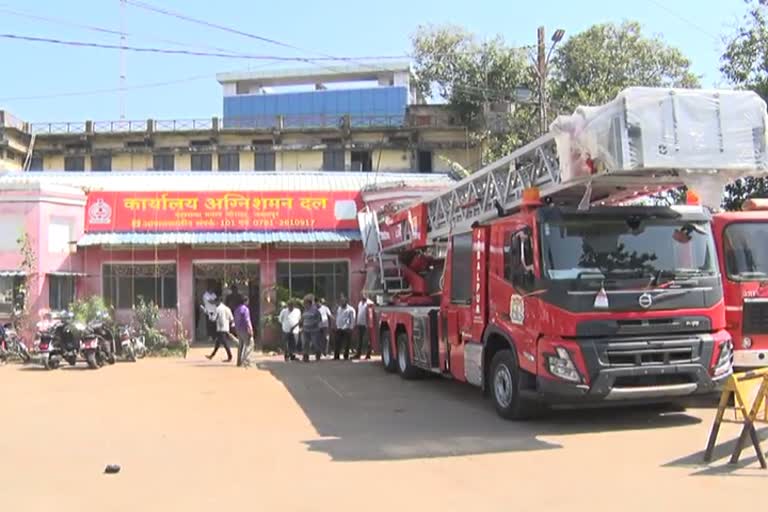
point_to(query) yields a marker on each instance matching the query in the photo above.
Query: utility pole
(123, 65)
(541, 67)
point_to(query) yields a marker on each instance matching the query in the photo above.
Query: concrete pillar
(187, 302)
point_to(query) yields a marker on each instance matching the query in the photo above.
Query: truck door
(512, 302)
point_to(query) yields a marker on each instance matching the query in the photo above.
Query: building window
(124, 284)
(333, 160)
(61, 292)
(74, 163)
(101, 163)
(229, 161)
(10, 293)
(327, 279)
(425, 161)
(201, 162)
(59, 235)
(264, 161)
(362, 161)
(162, 162)
(36, 163)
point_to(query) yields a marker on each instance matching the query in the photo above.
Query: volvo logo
(645, 300)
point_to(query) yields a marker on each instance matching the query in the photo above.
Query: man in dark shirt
(310, 328)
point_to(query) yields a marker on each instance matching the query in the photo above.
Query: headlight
(562, 366)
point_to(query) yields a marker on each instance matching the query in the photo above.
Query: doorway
(221, 278)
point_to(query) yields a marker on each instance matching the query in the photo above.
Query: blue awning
(220, 238)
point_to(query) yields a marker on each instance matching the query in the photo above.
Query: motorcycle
(132, 347)
(11, 345)
(59, 340)
(101, 328)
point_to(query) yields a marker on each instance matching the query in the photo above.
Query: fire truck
(742, 245)
(534, 279)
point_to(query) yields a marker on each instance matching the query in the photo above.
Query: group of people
(229, 320)
(309, 331)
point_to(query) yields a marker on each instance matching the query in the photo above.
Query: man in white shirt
(224, 319)
(209, 309)
(362, 327)
(325, 325)
(345, 322)
(289, 318)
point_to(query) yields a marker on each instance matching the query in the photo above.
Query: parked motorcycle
(101, 327)
(132, 347)
(11, 346)
(59, 340)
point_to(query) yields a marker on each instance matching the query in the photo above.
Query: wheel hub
(502, 384)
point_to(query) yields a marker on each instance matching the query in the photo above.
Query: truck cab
(742, 245)
(567, 305)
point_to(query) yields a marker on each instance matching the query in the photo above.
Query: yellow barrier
(740, 386)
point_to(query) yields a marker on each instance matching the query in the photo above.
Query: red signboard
(221, 211)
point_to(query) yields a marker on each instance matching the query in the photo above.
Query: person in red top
(244, 330)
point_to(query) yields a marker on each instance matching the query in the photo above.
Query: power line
(85, 44)
(685, 20)
(105, 30)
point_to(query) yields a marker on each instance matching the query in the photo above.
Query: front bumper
(631, 369)
(606, 389)
(750, 358)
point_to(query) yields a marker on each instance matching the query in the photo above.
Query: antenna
(123, 64)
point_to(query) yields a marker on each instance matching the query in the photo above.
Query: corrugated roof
(137, 181)
(12, 273)
(206, 238)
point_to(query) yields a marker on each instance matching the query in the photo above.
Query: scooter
(100, 327)
(132, 347)
(11, 345)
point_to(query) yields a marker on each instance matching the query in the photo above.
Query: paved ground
(194, 435)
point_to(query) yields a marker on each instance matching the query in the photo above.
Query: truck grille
(755, 317)
(649, 356)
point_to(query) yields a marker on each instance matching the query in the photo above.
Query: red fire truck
(529, 279)
(742, 245)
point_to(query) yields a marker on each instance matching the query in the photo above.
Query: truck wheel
(504, 383)
(387, 359)
(407, 369)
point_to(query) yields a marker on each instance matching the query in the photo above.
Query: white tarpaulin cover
(710, 136)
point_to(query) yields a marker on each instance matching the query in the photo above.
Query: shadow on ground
(363, 413)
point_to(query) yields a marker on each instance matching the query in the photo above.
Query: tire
(504, 383)
(407, 370)
(90, 358)
(388, 361)
(54, 362)
(71, 360)
(130, 354)
(45, 360)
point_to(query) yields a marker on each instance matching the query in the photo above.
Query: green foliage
(593, 66)
(87, 310)
(20, 316)
(470, 75)
(745, 65)
(745, 60)
(281, 295)
(146, 315)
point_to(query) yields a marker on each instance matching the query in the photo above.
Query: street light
(542, 62)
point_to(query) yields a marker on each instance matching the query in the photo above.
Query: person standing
(209, 309)
(325, 325)
(244, 330)
(234, 298)
(310, 328)
(289, 318)
(362, 327)
(345, 323)
(224, 321)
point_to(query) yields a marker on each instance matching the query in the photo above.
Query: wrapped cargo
(689, 130)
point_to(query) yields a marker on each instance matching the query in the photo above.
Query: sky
(46, 82)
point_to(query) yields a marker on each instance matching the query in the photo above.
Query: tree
(745, 64)
(593, 66)
(474, 77)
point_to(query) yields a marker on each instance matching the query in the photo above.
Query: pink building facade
(76, 258)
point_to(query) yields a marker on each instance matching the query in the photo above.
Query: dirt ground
(192, 435)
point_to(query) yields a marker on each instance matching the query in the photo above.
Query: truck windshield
(745, 250)
(614, 249)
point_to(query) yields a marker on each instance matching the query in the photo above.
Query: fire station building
(168, 237)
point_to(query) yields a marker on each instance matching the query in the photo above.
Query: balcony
(417, 118)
